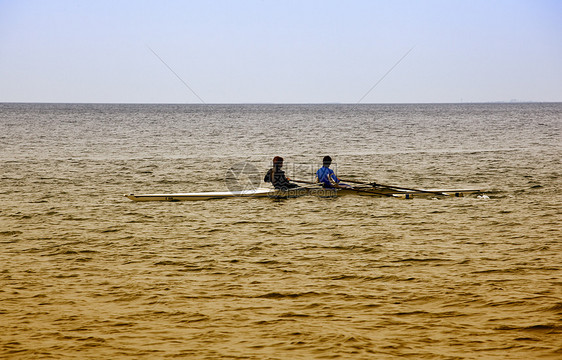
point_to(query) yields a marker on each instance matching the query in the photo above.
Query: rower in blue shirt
(326, 176)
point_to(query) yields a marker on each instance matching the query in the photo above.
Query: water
(86, 273)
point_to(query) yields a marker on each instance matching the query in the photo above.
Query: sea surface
(86, 273)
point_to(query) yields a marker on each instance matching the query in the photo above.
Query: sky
(282, 51)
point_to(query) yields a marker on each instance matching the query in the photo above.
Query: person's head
(327, 161)
(278, 161)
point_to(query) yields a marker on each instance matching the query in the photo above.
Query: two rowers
(325, 176)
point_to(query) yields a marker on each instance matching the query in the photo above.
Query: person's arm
(274, 177)
(334, 177)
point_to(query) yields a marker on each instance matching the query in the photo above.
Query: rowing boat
(301, 191)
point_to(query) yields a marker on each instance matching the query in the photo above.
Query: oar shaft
(357, 182)
(305, 182)
(365, 191)
(411, 189)
(396, 187)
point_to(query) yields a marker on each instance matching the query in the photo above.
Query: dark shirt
(278, 179)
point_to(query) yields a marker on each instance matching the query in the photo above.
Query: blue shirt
(326, 176)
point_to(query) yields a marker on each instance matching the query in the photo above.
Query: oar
(367, 191)
(305, 182)
(397, 187)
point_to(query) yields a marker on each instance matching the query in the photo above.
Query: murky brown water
(86, 273)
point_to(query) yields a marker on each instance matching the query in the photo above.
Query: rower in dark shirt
(277, 177)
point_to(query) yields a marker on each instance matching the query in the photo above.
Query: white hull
(255, 193)
(315, 191)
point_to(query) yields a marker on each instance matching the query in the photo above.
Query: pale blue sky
(264, 51)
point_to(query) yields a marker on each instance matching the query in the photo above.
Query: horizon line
(281, 103)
